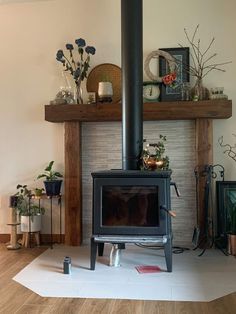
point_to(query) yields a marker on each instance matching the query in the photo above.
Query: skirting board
(44, 238)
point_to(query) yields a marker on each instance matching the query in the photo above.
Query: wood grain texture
(178, 110)
(73, 188)
(15, 298)
(204, 156)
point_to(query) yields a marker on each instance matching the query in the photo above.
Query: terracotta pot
(232, 244)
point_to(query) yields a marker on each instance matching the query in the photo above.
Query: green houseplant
(230, 197)
(38, 192)
(30, 213)
(152, 156)
(53, 182)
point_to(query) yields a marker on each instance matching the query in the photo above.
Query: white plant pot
(34, 225)
(105, 89)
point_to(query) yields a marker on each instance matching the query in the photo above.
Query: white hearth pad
(193, 278)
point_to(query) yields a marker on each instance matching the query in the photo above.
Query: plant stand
(26, 238)
(13, 245)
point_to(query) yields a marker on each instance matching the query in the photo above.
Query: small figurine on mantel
(64, 96)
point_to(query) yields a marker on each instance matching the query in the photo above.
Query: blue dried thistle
(80, 42)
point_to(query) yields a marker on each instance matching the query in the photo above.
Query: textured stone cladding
(101, 144)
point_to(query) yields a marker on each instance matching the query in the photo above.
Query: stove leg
(168, 254)
(121, 246)
(93, 253)
(100, 249)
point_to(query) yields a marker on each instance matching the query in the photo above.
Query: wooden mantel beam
(178, 110)
(202, 112)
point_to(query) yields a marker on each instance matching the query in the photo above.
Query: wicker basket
(105, 72)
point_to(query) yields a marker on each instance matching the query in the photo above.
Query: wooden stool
(13, 244)
(26, 238)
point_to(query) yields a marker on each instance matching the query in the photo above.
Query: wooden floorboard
(15, 298)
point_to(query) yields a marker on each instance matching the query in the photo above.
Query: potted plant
(30, 213)
(231, 201)
(38, 192)
(231, 221)
(52, 183)
(152, 156)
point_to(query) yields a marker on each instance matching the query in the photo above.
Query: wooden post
(73, 184)
(204, 156)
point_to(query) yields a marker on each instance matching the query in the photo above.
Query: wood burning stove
(131, 206)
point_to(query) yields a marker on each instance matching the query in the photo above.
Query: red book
(144, 269)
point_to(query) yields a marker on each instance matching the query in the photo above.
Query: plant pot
(13, 201)
(31, 223)
(38, 192)
(232, 244)
(53, 187)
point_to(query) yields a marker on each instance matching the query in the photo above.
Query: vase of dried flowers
(77, 67)
(199, 91)
(202, 64)
(78, 93)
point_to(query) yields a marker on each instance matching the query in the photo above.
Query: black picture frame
(226, 197)
(169, 93)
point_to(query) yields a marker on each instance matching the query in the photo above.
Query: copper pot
(154, 164)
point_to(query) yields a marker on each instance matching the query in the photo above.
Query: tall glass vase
(199, 91)
(78, 93)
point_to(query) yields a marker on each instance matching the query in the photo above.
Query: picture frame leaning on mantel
(169, 93)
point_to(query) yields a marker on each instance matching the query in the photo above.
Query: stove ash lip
(120, 173)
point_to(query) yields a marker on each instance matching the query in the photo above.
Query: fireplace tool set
(207, 238)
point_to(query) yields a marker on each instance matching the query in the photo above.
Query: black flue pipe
(132, 81)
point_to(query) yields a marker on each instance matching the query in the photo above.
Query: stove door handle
(170, 212)
(176, 188)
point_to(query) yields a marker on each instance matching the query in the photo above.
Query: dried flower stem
(230, 150)
(200, 68)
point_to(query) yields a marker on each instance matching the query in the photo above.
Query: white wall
(32, 32)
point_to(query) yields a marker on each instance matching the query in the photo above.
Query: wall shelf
(178, 110)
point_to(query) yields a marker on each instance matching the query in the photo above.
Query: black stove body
(131, 206)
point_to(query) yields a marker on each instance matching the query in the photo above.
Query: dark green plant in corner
(230, 195)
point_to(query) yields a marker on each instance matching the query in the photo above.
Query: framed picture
(226, 206)
(181, 55)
